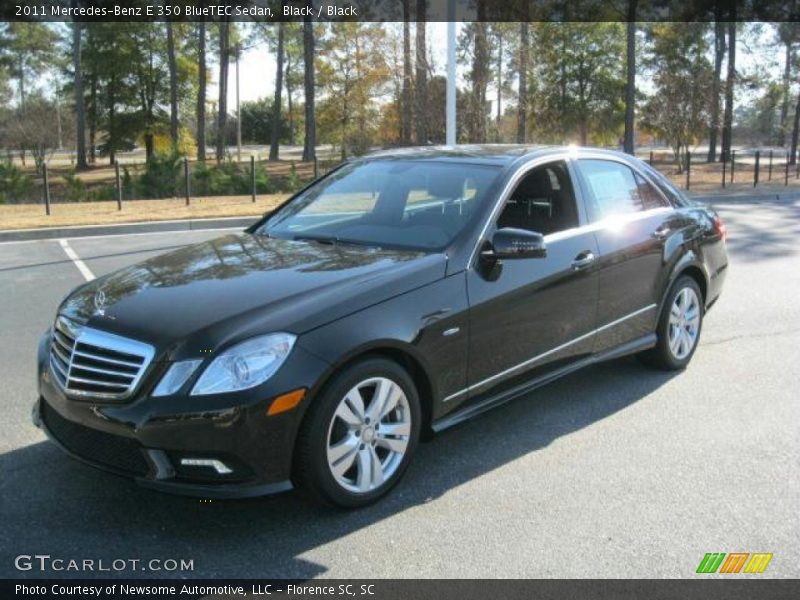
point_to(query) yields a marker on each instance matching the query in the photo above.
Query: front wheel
(360, 434)
(679, 326)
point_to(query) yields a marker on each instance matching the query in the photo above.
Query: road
(617, 471)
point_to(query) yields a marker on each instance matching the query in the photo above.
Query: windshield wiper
(322, 239)
(325, 239)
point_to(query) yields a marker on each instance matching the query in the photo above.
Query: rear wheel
(679, 326)
(358, 438)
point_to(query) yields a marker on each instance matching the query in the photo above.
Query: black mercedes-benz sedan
(396, 296)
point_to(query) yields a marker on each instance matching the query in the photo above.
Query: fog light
(220, 467)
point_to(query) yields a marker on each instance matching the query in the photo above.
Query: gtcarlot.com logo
(45, 562)
(735, 562)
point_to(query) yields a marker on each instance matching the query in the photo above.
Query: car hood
(200, 297)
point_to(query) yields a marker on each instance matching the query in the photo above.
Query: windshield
(420, 205)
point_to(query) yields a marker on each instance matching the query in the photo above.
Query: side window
(648, 194)
(543, 201)
(613, 187)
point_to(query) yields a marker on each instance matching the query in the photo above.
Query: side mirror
(509, 242)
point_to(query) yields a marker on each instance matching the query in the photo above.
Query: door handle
(661, 232)
(583, 260)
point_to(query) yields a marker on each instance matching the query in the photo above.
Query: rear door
(534, 313)
(634, 221)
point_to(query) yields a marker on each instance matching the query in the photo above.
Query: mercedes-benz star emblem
(100, 303)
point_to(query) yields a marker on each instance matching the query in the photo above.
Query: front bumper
(147, 439)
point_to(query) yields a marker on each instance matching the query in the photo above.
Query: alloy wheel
(368, 435)
(684, 323)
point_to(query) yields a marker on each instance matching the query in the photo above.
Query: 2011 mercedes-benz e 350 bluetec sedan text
(398, 295)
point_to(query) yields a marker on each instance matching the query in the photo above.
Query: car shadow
(54, 505)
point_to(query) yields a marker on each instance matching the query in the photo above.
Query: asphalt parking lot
(617, 471)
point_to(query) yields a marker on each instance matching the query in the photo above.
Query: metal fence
(754, 167)
(189, 179)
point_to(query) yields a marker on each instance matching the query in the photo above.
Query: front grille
(91, 363)
(111, 451)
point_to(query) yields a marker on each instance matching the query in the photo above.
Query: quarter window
(648, 194)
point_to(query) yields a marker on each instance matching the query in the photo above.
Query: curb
(20, 235)
(740, 197)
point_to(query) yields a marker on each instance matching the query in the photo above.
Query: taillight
(720, 228)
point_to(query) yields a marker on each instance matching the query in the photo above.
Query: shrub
(160, 177)
(228, 179)
(74, 188)
(15, 186)
(127, 183)
(101, 192)
(264, 184)
(293, 181)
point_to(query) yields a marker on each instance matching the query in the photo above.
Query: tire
(671, 353)
(344, 457)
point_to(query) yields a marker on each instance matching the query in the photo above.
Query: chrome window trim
(570, 157)
(530, 361)
(105, 340)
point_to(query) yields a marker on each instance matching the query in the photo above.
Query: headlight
(245, 365)
(177, 375)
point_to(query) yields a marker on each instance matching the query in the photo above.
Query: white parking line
(87, 274)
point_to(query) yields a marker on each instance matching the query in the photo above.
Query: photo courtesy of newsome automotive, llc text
(399, 299)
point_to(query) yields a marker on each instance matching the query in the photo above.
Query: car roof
(489, 154)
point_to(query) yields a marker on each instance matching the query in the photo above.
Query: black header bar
(735, 588)
(392, 10)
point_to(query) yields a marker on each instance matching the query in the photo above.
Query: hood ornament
(99, 303)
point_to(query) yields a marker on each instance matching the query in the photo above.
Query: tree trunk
(522, 100)
(795, 132)
(21, 75)
(727, 121)
(562, 87)
(787, 72)
(173, 87)
(222, 107)
(719, 55)
(422, 74)
(201, 91)
(498, 112)
(310, 143)
(21, 67)
(276, 102)
(112, 129)
(405, 111)
(80, 107)
(287, 74)
(149, 146)
(630, 85)
(480, 76)
(93, 119)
